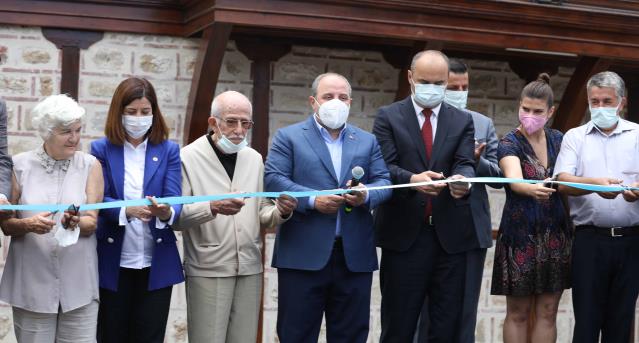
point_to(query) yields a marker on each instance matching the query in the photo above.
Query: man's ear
(212, 121)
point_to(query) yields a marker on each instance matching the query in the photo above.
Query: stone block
(109, 58)
(506, 113)
(18, 144)
(176, 328)
(293, 69)
(95, 118)
(155, 62)
(12, 115)
(15, 84)
(497, 198)
(373, 101)
(235, 67)
(477, 65)
(291, 99)
(310, 51)
(344, 68)
(3, 54)
(6, 325)
(99, 88)
(33, 55)
(47, 85)
(514, 86)
(374, 76)
(482, 106)
(187, 59)
(486, 84)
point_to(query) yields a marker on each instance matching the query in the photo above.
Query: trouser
(133, 313)
(605, 286)
(223, 309)
(75, 326)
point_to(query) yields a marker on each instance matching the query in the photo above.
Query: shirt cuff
(159, 224)
(123, 218)
(311, 202)
(368, 195)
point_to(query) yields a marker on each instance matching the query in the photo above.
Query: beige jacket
(222, 246)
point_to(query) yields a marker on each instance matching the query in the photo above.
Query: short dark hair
(128, 91)
(539, 89)
(457, 66)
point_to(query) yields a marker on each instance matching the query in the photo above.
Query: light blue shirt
(588, 152)
(335, 150)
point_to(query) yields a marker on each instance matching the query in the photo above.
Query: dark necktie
(427, 135)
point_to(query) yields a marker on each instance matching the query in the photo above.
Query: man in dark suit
(486, 166)
(425, 232)
(325, 254)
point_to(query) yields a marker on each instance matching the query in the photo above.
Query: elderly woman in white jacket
(51, 276)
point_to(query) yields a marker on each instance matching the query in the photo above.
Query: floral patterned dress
(532, 254)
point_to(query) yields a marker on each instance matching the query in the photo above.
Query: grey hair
(429, 52)
(321, 76)
(607, 79)
(55, 111)
(216, 108)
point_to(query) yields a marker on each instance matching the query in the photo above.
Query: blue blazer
(162, 178)
(299, 161)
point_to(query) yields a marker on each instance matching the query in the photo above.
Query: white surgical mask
(429, 95)
(333, 113)
(604, 117)
(457, 98)
(137, 126)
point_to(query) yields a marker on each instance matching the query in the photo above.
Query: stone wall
(30, 70)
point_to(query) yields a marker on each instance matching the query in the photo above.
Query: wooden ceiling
(597, 28)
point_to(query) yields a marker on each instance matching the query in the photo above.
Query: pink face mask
(531, 122)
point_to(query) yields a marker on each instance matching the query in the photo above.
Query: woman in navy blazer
(138, 258)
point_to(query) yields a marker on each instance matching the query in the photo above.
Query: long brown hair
(128, 91)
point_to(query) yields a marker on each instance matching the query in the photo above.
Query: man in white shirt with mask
(604, 151)
(325, 254)
(222, 239)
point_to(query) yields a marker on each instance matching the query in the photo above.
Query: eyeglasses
(232, 123)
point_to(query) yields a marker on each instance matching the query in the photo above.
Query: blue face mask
(604, 117)
(457, 98)
(429, 95)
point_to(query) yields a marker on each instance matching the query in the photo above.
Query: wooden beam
(528, 70)
(205, 74)
(574, 102)
(70, 42)
(262, 52)
(632, 85)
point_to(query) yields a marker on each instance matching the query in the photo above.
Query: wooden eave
(577, 27)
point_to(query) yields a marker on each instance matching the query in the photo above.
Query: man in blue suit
(325, 254)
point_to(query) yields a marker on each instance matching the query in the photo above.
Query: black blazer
(398, 221)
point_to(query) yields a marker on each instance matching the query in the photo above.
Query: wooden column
(400, 58)
(632, 86)
(205, 74)
(70, 42)
(262, 54)
(574, 102)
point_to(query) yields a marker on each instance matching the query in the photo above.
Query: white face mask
(457, 98)
(604, 117)
(137, 126)
(333, 113)
(429, 95)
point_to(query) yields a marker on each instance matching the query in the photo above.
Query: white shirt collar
(419, 108)
(622, 125)
(141, 146)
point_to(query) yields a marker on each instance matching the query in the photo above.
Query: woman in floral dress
(532, 255)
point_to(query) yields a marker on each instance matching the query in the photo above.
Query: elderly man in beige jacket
(222, 240)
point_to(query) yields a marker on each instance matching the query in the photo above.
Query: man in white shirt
(604, 151)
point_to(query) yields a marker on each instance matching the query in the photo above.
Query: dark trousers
(468, 320)
(408, 277)
(605, 284)
(133, 313)
(304, 297)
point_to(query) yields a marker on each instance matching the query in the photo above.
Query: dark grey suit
(480, 208)
(6, 164)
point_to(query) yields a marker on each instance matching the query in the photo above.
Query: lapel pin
(155, 159)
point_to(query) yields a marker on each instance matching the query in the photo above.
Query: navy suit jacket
(299, 161)
(399, 221)
(162, 178)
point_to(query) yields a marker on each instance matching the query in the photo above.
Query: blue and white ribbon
(180, 200)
